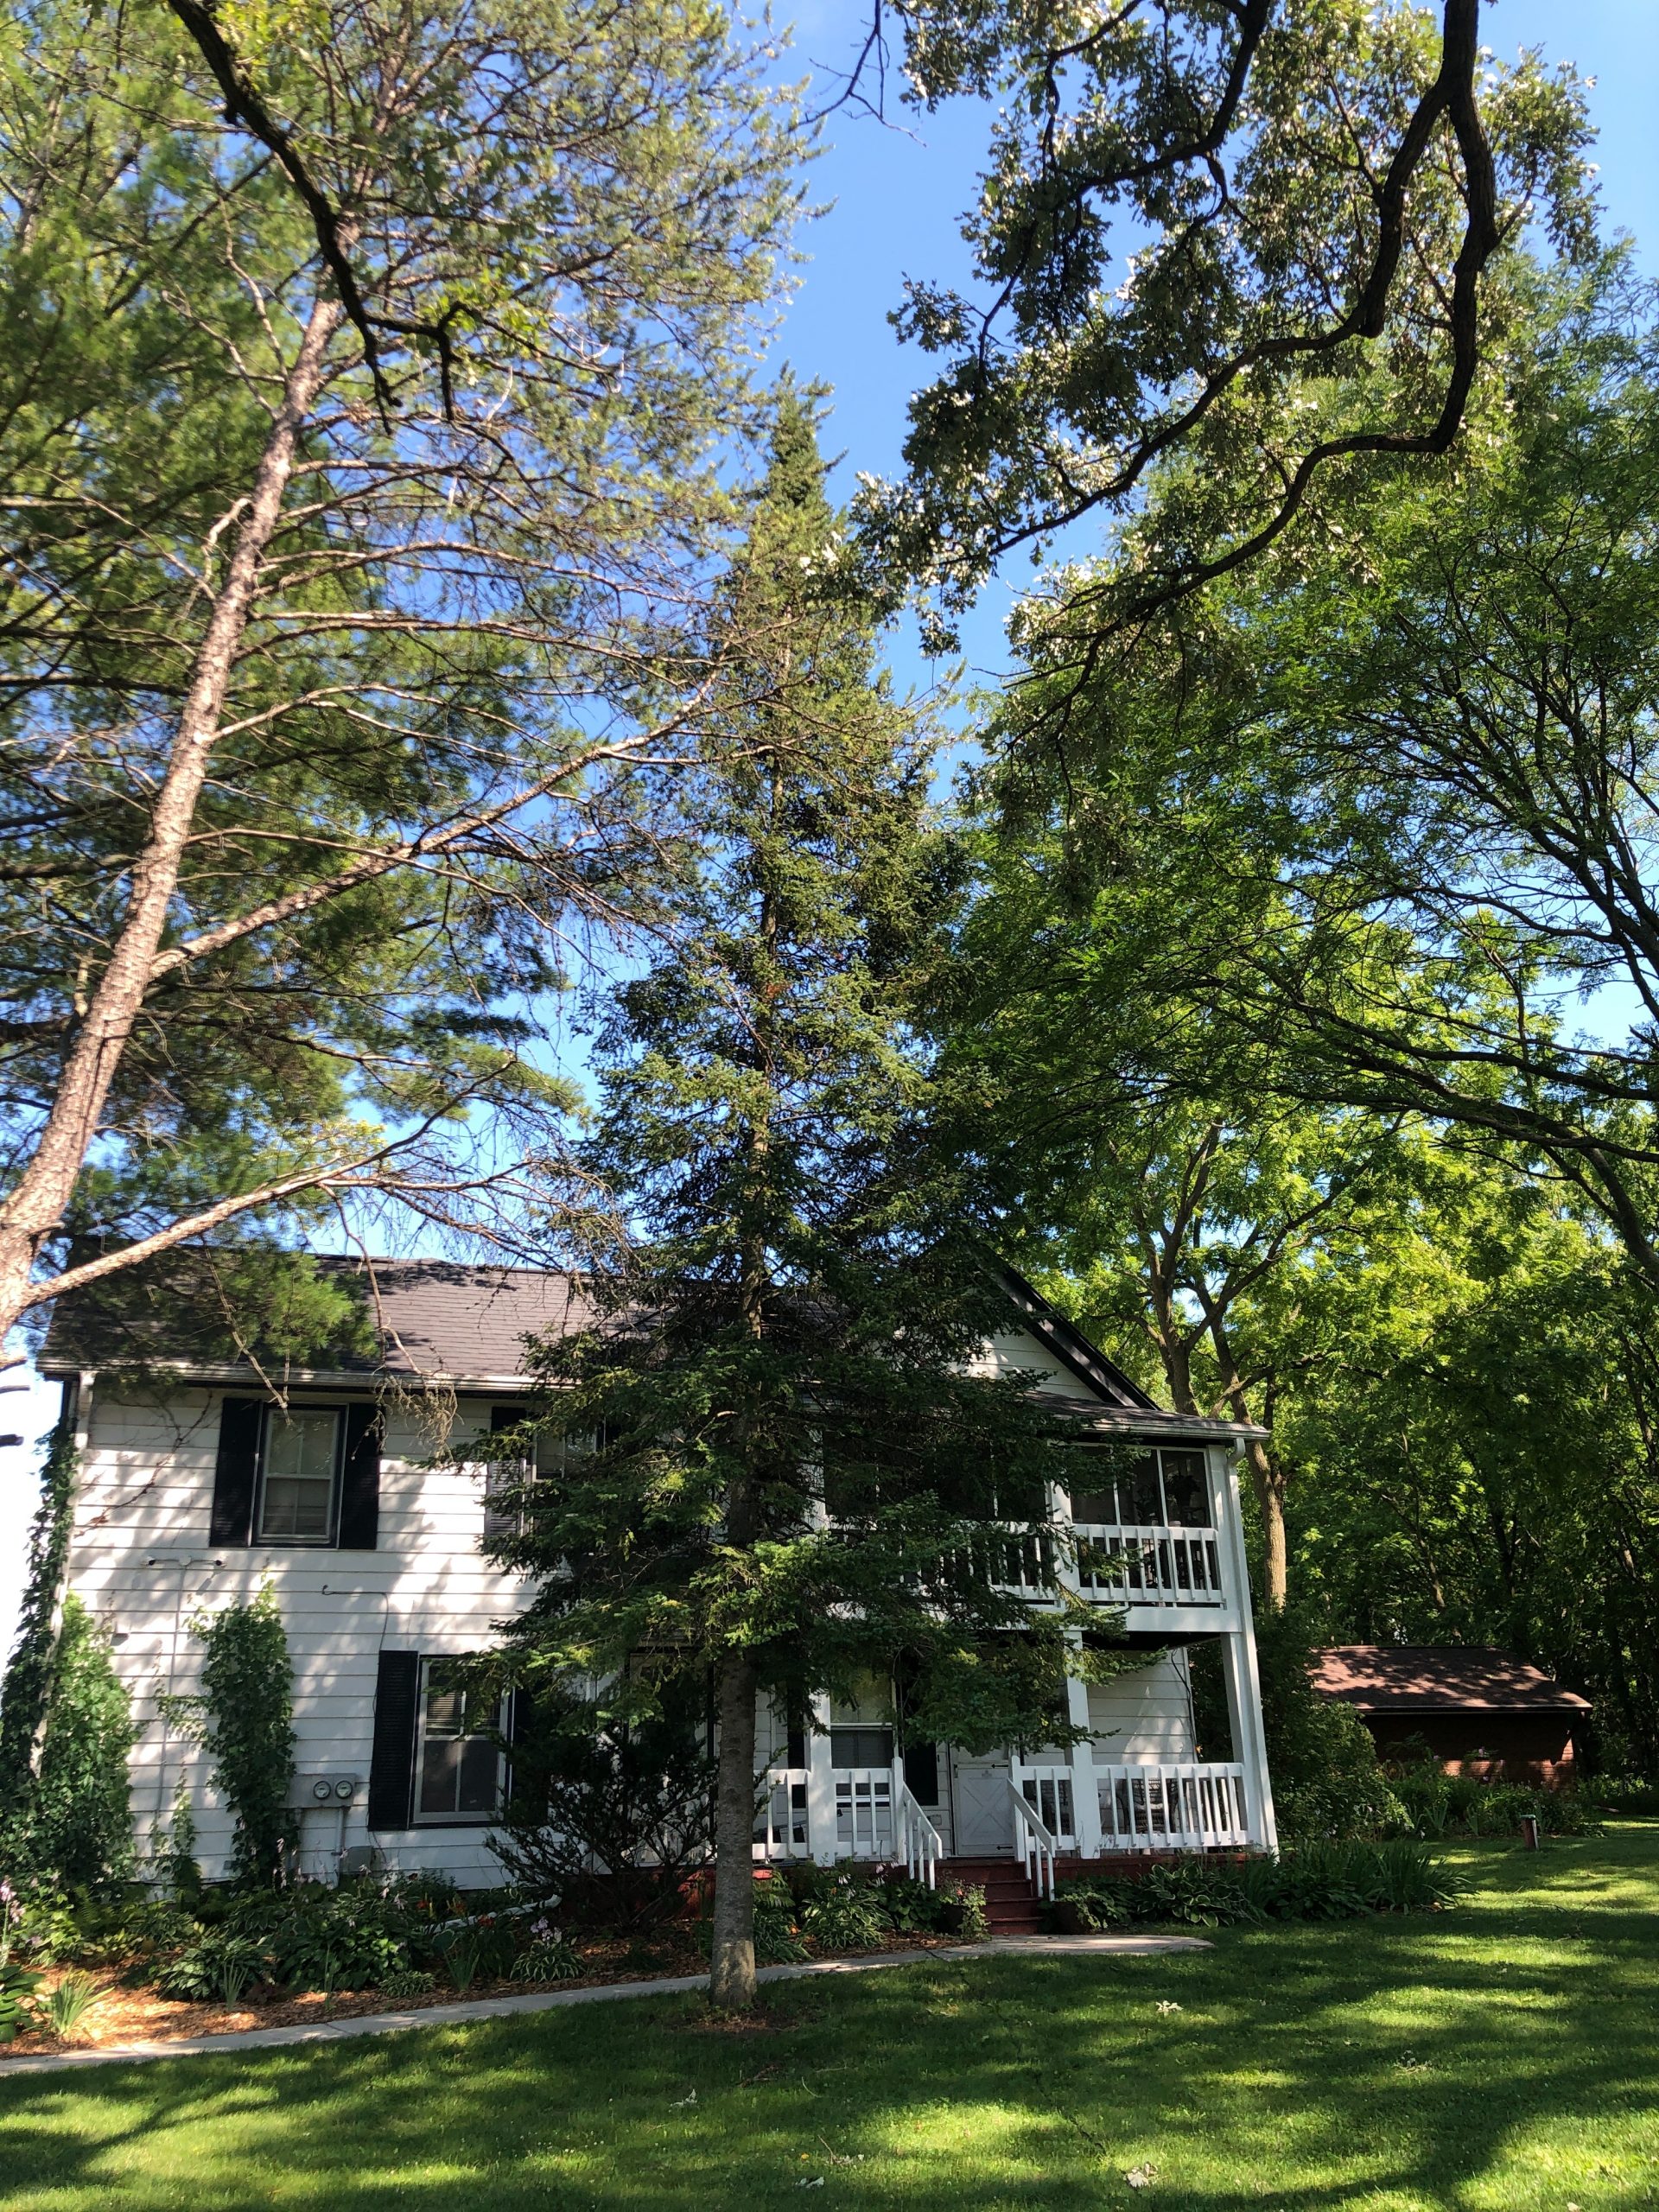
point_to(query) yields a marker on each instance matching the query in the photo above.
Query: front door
(983, 1825)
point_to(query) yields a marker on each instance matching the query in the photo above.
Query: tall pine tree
(781, 1475)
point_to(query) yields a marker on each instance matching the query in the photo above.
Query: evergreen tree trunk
(34, 1209)
(731, 1979)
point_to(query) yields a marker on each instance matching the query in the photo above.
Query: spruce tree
(778, 1472)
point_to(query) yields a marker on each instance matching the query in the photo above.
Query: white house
(200, 1482)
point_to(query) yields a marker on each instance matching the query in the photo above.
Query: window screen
(1186, 1492)
(857, 1747)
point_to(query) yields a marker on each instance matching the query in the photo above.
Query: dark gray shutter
(360, 1482)
(501, 1519)
(521, 1721)
(392, 1764)
(236, 1477)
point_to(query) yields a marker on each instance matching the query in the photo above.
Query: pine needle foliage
(781, 1473)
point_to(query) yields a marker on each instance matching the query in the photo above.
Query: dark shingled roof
(436, 1319)
(446, 1322)
(1385, 1678)
(436, 1316)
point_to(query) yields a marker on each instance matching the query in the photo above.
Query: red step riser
(1010, 1907)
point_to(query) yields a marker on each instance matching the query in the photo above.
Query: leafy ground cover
(1503, 2056)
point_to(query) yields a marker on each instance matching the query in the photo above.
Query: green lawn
(1498, 2057)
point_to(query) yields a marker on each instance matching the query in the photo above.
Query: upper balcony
(1150, 1537)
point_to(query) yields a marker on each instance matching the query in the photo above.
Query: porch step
(1010, 1903)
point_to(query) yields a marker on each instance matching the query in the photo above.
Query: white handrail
(919, 1841)
(1038, 1848)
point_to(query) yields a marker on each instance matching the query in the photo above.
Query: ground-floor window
(459, 1771)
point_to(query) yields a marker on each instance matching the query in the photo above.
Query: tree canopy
(1265, 237)
(345, 583)
(782, 1467)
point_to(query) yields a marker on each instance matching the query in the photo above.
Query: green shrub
(18, 1986)
(1326, 1781)
(464, 1949)
(80, 1820)
(247, 1682)
(967, 1902)
(910, 1907)
(64, 2008)
(549, 1956)
(411, 1981)
(846, 1917)
(777, 1927)
(1621, 1794)
(1438, 1804)
(217, 1968)
(173, 1848)
(1315, 1881)
(244, 1716)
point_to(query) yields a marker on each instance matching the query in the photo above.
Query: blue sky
(895, 197)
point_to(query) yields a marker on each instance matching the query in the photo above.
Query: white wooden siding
(1145, 1715)
(143, 1561)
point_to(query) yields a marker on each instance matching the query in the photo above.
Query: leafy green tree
(1223, 1237)
(780, 1473)
(365, 378)
(1476, 1457)
(1360, 827)
(81, 1818)
(1327, 1780)
(608, 1818)
(1266, 239)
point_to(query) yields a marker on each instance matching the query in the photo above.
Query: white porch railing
(780, 1828)
(1035, 1844)
(865, 1808)
(1183, 1807)
(920, 1845)
(1153, 1565)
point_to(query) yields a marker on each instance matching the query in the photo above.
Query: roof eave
(322, 1378)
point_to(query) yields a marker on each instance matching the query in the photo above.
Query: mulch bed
(123, 2015)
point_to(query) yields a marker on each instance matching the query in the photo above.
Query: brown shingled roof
(1429, 1677)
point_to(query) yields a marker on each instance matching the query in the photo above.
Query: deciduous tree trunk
(731, 1979)
(1268, 1484)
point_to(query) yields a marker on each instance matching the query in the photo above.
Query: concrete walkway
(550, 2000)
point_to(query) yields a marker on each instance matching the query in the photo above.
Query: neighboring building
(1479, 1711)
(197, 1485)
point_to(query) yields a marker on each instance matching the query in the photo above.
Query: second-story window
(299, 1484)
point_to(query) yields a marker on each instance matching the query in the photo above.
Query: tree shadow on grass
(1493, 2057)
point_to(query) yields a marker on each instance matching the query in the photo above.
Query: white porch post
(821, 1840)
(1085, 1793)
(1238, 1661)
(1085, 1796)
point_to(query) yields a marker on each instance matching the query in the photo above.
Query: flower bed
(163, 1972)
